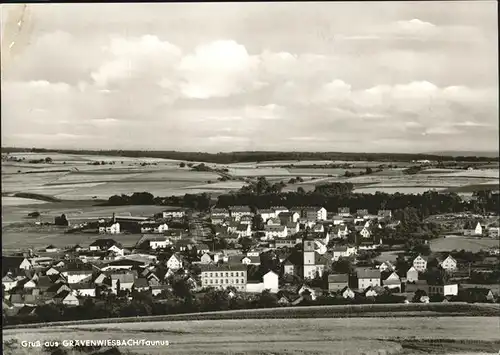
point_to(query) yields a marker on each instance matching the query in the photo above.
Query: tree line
(255, 156)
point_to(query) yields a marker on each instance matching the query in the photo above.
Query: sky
(352, 77)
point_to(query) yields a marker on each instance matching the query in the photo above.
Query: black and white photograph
(250, 178)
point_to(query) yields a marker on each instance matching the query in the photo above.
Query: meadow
(459, 243)
(302, 336)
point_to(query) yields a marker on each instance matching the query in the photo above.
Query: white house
(8, 282)
(110, 228)
(273, 222)
(315, 213)
(175, 262)
(251, 260)
(450, 290)
(83, 289)
(274, 232)
(177, 213)
(412, 275)
(393, 281)
(367, 278)
(320, 247)
(51, 271)
(69, 300)
(449, 264)
(154, 228)
(365, 233)
(76, 276)
(117, 249)
(473, 229)
(493, 232)
(244, 230)
(159, 242)
(318, 228)
(344, 212)
(270, 281)
(343, 252)
(347, 293)
(267, 213)
(420, 264)
(386, 266)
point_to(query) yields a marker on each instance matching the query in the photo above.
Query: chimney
(114, 218)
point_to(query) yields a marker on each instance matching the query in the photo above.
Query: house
(273, 222)
(368, 277)
(9, 282)
(174, 234)
(117, 249)
(478, 294)
(224, 275)
(386, 266)
(337, 220)
(381, 214)
(292, 228)
(266, 214)
(202, 248)
(373, 291)
(344, 212)
(473, 228)
(362, 212)
(141, 284)
(343, 252)
(314, 213)
(279, 209)
(122, 281)
(219, 213)
(158, 242)
(206, 258)
(365, 233)
(83, 289)
(237, 212)
(306, 290)
(420, 264)
(270, 281)
(392, 282)
(244, 230)
(51, 249)
(76, 276)
(493, 232)
(174, 262)
(347, 293)
(246, 220)
(340, 231)
(318, 228)
(274, 232)
(449, 264)
(337, 282)
(251, 260)
(289, 217)
(15, 263)
(154, 227)
(412, 275)
(66, 298)
(174, 213)
(109, 228)
(102, 244)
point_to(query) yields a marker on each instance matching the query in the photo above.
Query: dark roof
(368, 274)
(224, 267)
(338, 278)
(141, 282)
(103, 243)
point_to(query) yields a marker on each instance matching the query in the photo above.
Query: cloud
(218, 69)
(415, 26)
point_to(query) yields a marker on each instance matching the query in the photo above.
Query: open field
(302, 336)
(70, 177)
(459, 243)
(36, 240)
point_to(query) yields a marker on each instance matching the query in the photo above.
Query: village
(300, 255)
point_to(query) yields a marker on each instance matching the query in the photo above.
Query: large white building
(225, 275)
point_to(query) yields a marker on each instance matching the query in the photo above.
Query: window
(227, 281)
(242, 281)
(216, 275)
(227, 273)
(210, 274)
(236, 274)
(237, 280)
(216, 281)
(232, 275)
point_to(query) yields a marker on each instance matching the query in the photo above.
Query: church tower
(309, 257)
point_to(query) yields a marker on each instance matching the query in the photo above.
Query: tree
(246, 244)
(266, 300)
(368, 171)
(342, 266)
(48, 160)
(257, 223)
(301, 191)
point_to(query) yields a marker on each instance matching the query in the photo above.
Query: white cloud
(218, 69)
(415, 25)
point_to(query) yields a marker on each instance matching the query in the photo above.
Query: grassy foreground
(335, 311)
